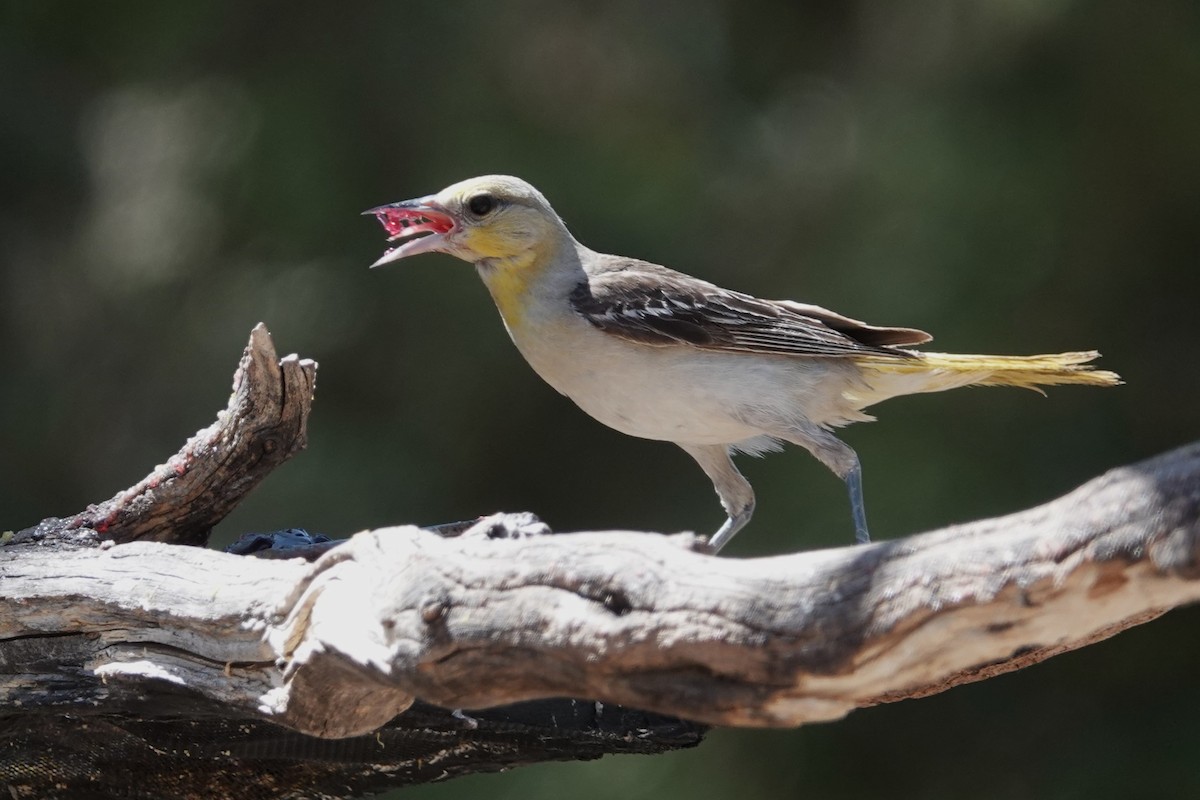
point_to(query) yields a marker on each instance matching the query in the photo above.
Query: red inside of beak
(403, 222)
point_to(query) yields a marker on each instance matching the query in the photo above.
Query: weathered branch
(341, 645)
(67, 731)
(180, 501)
(503, 612)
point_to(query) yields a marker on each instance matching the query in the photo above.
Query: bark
(506, 612)
(182, 499)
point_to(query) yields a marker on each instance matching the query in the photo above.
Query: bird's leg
(733, 524)
(737, 497)
(841, 458)
(858, 509)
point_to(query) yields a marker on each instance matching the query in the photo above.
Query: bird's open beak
(410, 218)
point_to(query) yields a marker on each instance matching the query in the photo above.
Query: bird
(659, 354)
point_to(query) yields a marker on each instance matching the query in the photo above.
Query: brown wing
(653, 305)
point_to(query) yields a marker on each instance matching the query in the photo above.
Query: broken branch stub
(180, 501)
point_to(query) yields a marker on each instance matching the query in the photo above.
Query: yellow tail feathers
(946, 370)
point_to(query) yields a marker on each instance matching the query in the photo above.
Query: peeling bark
(181, 500)
(505, 612)
(339, 646)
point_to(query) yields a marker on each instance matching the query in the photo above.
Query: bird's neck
(513, 280)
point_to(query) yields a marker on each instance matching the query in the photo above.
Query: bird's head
(495, 217)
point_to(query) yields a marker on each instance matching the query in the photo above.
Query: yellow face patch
(507, 281)
(492, 241)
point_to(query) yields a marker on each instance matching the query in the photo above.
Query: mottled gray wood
(106, 610)
(340, 645)
(182, 499)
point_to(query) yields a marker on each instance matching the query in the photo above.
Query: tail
(935, 372)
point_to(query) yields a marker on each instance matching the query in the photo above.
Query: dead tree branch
(341, 645)
(180, 501)
(73, 725)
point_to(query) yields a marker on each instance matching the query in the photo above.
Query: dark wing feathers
(653, 305)
(873, 335)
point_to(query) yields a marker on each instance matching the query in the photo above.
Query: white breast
(679, 393)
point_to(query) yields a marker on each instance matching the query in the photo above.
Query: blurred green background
(1015, 177)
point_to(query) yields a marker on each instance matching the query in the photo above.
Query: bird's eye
(482, 204)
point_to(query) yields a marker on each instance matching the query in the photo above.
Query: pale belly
(668, 404)
(683, 394)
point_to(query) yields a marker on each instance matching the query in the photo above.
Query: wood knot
(433, 609)
(617, 603)
(1110, 579)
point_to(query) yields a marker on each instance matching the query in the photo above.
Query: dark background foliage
(1015, 177)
